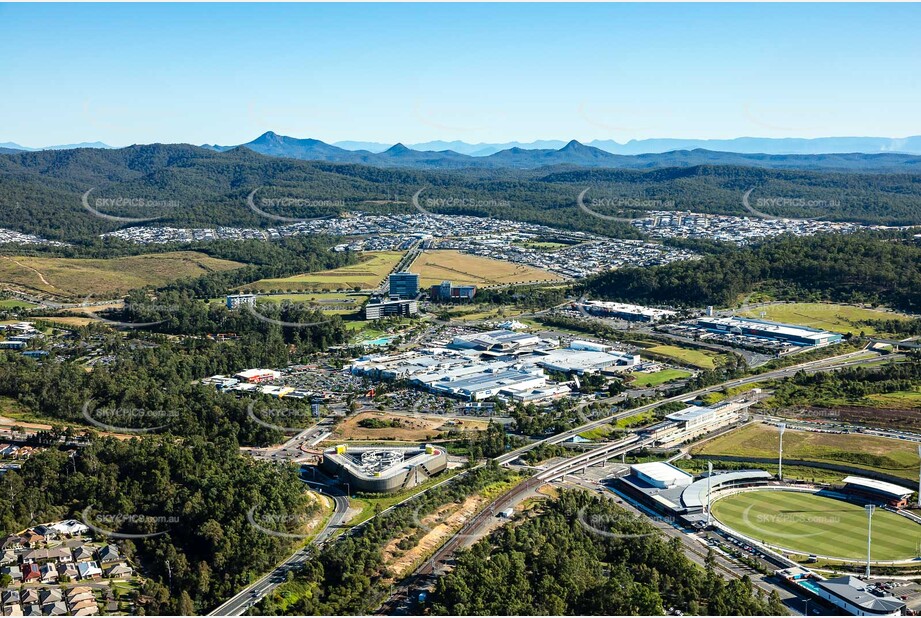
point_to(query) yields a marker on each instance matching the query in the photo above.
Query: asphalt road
(249, 596)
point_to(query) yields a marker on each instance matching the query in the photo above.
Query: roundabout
(818, 524)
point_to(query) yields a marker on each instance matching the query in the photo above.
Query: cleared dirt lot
(409, 428)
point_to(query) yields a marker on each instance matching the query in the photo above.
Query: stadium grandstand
(877, 492)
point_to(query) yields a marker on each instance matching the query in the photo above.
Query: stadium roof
(890, 489)
(662, 472)
(695, 495)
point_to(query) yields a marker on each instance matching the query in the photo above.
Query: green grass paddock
(811, 524)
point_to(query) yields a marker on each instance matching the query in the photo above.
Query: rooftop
(695, 495)
(662, 472)
(766, 326)
(690, 413)
(880, 486)
(854, 591)
(373, 462)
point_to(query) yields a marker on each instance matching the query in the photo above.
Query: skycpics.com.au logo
(619, 203)
(93, 309)
(779, 524)
(251, 308)
(126, 419)
(153, 209)
(617, 525)
(456, 203)
(784, 202)
(280, 524)
(273, 417)
(118, 525)
(291, 203)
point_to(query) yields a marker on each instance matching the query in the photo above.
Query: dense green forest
(194, 491)
(583, 555)
(178, 313)
(41, 192)
(848, 385)
(348, 577)
(848, 268)
(152, 374)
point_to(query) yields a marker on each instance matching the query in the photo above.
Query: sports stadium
(829, 523)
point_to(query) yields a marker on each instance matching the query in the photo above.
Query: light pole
(709, 477)
(782, 427)
(870, 508)
(348, 491)
(919, 478)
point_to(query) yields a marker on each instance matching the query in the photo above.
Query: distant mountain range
(834, 153)
(749, 145)
(571, 154)
(12, 146)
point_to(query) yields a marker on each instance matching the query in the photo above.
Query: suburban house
(49, 573)
(109, 554)
(30, 573)
(89, 570)
(58, 608)
(29, 596)
(13, 571)
(119, 570)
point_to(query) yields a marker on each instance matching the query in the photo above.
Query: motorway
(238, 604)
(246, 598)
(249, 596)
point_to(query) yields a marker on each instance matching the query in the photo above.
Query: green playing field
(812, 524)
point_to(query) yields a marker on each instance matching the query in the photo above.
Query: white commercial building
(624, 311)
(662, 475)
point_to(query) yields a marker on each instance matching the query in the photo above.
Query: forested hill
(41, 192)
(854, 268)
(584, 555)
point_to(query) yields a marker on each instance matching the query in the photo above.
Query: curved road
(249, 596)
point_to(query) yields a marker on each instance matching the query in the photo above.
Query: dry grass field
(827, 316)
(464, 269)
(76, 279)
(366, 275)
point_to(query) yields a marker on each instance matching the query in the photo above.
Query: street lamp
(348, 491)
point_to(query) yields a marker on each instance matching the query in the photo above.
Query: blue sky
(224, 73)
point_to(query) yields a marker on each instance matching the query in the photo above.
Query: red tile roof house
(31, 573)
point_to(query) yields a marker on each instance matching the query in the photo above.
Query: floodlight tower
(709, 476)
(919, 479)
(870, 508)
(781, 427)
